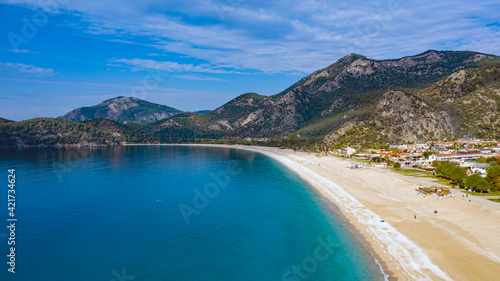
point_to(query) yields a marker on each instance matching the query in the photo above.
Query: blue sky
(58, 55)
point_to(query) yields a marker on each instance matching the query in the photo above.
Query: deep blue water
(114, 214)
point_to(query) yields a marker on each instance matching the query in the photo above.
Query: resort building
(457, 157)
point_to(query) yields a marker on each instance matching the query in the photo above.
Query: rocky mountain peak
(120, 104)
(122, 109)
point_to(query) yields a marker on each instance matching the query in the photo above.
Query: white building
(459, 157)
(349, 151)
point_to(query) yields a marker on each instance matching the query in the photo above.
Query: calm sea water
(170, 213)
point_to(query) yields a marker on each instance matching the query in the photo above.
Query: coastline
(356, 234)
(457, 243)
(344, 202)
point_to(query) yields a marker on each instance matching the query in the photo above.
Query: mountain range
(356, 100)
(328, 99)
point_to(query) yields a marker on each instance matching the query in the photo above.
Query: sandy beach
(459, 242)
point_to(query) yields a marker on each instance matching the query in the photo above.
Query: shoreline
(457, 243)
(355, 233)
(390, 268)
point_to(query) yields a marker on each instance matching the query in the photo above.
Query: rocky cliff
(464, 104)
(398, 117)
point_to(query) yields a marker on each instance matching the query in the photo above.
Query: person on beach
(435, 211)
(415, 216)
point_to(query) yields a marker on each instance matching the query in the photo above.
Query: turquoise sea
(170, 213)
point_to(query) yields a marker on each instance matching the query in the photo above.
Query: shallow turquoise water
(115, 214)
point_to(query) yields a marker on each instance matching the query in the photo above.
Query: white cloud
(27, 68)
(199, 78)
(21, 51)
(280, 36)
(168, 66)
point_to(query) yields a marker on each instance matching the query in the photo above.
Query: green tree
(457, 174)
(481, 160)
(444, 169)
(483, 185)
(477, 182)
(439, 168)
(493, 176)
(493, 160)
(397, 165)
